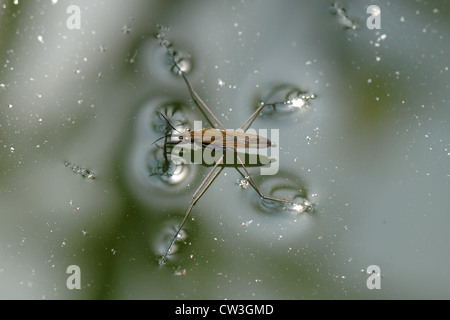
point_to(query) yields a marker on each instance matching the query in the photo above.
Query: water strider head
(179, 136)
(172, 138)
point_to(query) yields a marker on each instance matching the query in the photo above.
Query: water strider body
(219, 140)
(223, 139)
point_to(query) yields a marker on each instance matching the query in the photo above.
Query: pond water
(364, 136)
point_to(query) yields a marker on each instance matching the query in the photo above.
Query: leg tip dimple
(162, 261)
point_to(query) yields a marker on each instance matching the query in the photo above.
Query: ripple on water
(342, 18)
(151, 178)
(283, 186)
(285, 99)
(161, 169)
(165, 235)
(182, 58)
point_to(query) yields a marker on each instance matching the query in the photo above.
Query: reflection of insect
(228, 140)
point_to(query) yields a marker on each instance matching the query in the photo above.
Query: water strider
(220, 140)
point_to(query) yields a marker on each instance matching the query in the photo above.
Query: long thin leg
(256, 186)
(195, 197)
(192, 92)
(170, 52)
(197, 98)
(262, 105)
(253, 115)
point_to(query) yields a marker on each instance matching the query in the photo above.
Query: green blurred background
(371, 151)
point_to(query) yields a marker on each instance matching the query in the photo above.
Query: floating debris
(243, 183)
(180, 273)
(84, 172)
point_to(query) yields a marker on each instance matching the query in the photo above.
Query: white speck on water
(40, 39)
(126, 29)
(246, 223)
